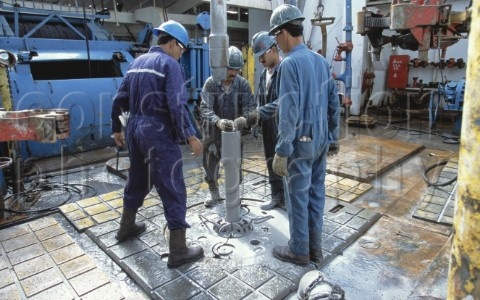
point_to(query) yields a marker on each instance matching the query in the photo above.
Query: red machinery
(420, 25)
(42, 125)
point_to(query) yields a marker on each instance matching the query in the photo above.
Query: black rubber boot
(277, 200)
(179, 252)
(128, 227)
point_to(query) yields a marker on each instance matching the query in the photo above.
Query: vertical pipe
(218, 39)
(464, 272)
(232, 159)
(116, 12)
(348, 58)
(193, 71)
(206, 68)
(346, 76)
(199, 62)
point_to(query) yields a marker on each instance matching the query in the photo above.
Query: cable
(33, 195)
(424, 175)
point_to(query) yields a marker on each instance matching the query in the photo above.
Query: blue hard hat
(235, 58)
(261, 42)
(284, 14)
(174, 29)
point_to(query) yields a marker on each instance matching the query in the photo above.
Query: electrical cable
(165, 14)
(37, 188)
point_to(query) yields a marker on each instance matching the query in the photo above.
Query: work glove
(240, 123)
(279, 165)
(253, 118)
(225, 125)
(333, 149)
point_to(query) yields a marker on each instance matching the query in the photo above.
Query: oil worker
(226, 105)
(308, 129)
(154, 93)
(265, 49)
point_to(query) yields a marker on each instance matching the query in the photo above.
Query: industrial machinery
(68, 60)
(40, 125)
(453, 93)
(419, 25)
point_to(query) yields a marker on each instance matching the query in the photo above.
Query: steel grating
(437, 205)
(243, 266)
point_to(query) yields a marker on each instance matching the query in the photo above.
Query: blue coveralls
(220, 104)
(309, 113)
(153, 90)
(266, 97)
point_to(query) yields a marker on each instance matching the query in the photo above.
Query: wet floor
(398, 256)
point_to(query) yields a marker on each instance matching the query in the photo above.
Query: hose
(428, 169)
(33, 195)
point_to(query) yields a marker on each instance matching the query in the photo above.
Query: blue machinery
(453, 93)
(67, 60)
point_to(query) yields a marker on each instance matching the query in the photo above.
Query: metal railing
(69, 6)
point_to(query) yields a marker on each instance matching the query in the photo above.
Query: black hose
(43, 187)
(428, 169)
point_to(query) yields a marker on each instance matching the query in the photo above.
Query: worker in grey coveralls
(154, 93)
(308, 129)
(265, 49)
(226, 105)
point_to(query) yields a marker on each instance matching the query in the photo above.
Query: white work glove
(279, 165)
(333, 149)
(240, 123)
(225, 125)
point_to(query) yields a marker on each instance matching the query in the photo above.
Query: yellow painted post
(248, 71)
(5, 89)
(464, 273)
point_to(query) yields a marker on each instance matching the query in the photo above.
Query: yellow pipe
(464, 273)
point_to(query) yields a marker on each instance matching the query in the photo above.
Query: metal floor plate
(437, 205)
(241, 267)
(39, 260)
(363, 157)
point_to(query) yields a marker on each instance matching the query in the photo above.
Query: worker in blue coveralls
(154, 93)
(308, 131)
(227, 105)
(265, 49)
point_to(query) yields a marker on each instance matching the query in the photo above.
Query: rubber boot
(214, 194)
(277, 200)
(179, 252)
(214, 198)
(128, 227)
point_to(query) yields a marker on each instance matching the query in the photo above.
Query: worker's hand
(225, 125)
(196, 145)
(119, 138)
(333, 149)
(279, 165)
(253, 118)
(240, 123)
